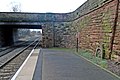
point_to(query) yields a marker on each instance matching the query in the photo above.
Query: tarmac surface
(61, 65)
(27, 71)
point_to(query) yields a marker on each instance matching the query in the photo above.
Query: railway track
(7, 49)
(9, 67)
(11, 48)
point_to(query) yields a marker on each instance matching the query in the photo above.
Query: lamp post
(77, 45)
(77, 40)
(54, 36)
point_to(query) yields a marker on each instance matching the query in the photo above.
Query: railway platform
(26, 71)
(49, 64)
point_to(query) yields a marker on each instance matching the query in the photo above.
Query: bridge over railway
(95, 23)
(94, 26)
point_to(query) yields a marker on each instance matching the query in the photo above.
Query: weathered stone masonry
(93, 27)
(95, 23)
(96, 27)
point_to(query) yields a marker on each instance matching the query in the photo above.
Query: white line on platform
(16, 74)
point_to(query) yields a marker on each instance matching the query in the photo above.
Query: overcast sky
(43, 6)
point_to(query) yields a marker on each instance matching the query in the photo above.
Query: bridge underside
(21, 26)
(6, 36)
(9, 33)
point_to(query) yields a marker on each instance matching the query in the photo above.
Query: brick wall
(97, 27)
(116, 44)
(92, 29)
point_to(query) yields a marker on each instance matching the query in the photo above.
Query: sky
(42, 6)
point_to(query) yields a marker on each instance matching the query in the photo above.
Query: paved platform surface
(60, 65)
(26, 73)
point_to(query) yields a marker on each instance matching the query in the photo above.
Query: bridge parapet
(88, 6)
(32, 17)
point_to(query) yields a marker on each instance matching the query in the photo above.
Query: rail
(10, 67)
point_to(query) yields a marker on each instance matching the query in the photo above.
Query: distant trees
(23, 33)
(15, 6)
